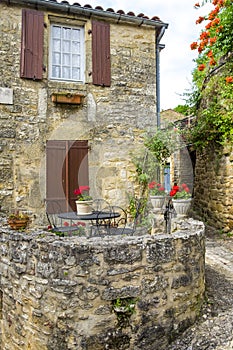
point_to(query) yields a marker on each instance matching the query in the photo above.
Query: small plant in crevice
(124, 308)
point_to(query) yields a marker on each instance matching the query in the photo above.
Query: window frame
(82, 53)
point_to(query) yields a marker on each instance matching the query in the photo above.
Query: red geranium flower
(151, 185)
(174, 190)
(82, 193)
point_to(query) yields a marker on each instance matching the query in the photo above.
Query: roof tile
(121, 12)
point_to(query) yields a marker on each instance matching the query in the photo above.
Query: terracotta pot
(16, 224)
(84, 207)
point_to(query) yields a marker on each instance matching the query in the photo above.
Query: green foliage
(224, 44)
(162, 144)
(137, 206)
(182, 195)
(124, 308)
(183, 109)
(212, 97)
(214, 126)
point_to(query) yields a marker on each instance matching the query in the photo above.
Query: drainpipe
(159, 47)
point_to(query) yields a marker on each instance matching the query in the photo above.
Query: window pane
(56, 32)
(56, 58)
(66, 46)
(76, 34)
(75, 46)
(66, 73)
(56, 72)
(56, 45)
(76, 60)
(66, 33)
(76, 73)
(66, 59)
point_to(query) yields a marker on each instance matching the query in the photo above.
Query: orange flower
(210, 54)
(201, 67)
(229, 79)
(202, 45)
(213, 40)
(204, 35)
(218, 29)
(221, 3)
(213, 13)
(212, 62)
(200, 20)
(209, 25)
(194, 45)
(197, 5)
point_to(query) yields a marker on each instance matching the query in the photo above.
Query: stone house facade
(78, 88)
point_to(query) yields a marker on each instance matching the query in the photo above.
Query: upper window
(67, 53)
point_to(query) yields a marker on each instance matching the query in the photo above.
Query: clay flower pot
(18, 224)
(18, 221)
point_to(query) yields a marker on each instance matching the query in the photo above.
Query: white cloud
(176, 61)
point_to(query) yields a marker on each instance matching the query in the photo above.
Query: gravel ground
(214, 329)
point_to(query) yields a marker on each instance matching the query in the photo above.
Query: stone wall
(112, 119)
(214, 189)
(117, 293)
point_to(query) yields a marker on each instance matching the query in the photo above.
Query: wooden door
(66, 169)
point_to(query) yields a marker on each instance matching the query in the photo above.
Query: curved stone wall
(132, 293)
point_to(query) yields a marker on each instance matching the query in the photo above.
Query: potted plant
(157, 194)
(84, 200)
(17, 220)
(181, 199)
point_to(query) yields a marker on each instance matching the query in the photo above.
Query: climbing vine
(212, 96)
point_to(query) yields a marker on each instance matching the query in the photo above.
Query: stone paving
(219, 255)
(214, 329)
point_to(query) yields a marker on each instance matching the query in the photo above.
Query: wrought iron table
(100, 220)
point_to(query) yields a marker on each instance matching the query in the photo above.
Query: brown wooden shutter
(101, 63)
(31, 65)
(66, 169)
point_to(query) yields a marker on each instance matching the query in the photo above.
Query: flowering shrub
(180, 192)
(155, 189)
(82, 193)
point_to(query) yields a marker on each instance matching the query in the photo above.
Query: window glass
(67, 53)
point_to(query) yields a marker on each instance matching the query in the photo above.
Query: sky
(176, 59)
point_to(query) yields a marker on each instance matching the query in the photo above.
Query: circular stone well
(135, 292)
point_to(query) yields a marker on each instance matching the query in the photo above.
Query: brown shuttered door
(101, 63)
(66, 169)
(31, 65)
